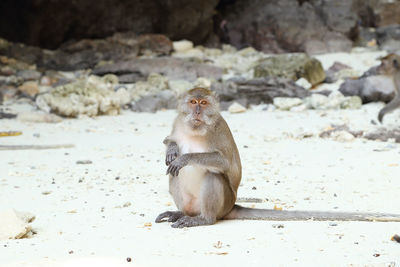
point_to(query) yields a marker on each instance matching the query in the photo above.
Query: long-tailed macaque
(204, 171)
(391, 66)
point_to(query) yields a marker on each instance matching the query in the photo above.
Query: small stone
(46, 192)
(317, 101)
(30, 88)
(128, 259)
(351, 102)
(342, 136)
(236, 108)
(299, 108)
(127, 204)
(278, 226)
(286, 103)
(84, 162)
(304, 83)
(182, 46)
(333, 224)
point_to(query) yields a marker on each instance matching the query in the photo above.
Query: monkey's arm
(392, 105)
(212, 160)
(172, 152)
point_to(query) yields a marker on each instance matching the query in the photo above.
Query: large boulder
(291, 66)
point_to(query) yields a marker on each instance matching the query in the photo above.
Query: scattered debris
(10, 133)
(84, 162)
(34, 147)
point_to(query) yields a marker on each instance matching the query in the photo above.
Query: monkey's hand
(172, 153)
(178, 164)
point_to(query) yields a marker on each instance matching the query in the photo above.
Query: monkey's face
(390, 64)
(199, 111)
(198, 108)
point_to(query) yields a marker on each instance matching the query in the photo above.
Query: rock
(304, 83)
(192, 20)
(155, 83)
(291, 66)
(38, 117)
(14, 225)
(179, 86)
(337, 42)
(351, 102)
(89, 96)
(173, 68)
(236, 108)
(30, 88)
(151, 103)
(332, 73)
(299, 108)
(259, 90)
(182, 46)
(370, 89)
(286, 103)
(191, 53)
(8, 92)
(224, 105)
(317, 101)
(156, 44)
(384, 134)
(29, 75)
(389, 37)
(336, 99)
(202, 82)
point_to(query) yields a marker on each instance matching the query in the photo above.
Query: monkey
(391, 66)
(205, 171)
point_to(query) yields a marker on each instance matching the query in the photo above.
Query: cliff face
(268, 25)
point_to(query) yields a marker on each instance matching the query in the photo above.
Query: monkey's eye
(194, 102)
(203, 102)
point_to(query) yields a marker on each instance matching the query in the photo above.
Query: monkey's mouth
(197, 122)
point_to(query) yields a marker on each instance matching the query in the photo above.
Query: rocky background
(73, 58)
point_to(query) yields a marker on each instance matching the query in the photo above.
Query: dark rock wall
(314, 26)
(49, 23)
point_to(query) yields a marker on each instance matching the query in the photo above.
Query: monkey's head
(200, 107)
(390, 64)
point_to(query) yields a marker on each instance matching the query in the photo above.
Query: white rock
(191, 53)
(304, 83)
(236, 108)
(202, 82)
(342, 136)
(352, 102)
(38, 117)
(179, 86)
(317, 101)
(286, 103)
(14, 225)
(299, 108)
(182, 46)
(336, 99)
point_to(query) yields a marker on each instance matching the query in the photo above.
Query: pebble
(236, 108)
(84, 162)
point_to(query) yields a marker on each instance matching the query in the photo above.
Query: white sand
(83, 213)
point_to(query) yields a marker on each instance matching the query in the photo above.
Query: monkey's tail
(392, 105)
(243, 213)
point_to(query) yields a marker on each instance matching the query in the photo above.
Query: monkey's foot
(187, 221)
(172, 216)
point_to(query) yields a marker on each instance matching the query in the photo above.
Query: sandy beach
(101, 213)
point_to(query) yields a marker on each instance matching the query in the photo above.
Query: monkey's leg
(172, 216)
(212, 202)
